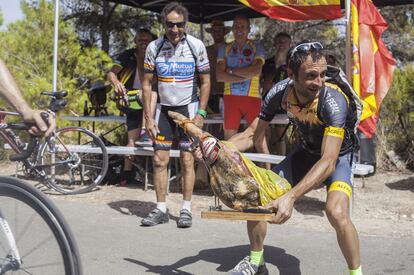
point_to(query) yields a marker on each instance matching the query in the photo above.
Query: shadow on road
(227, 258)
(134, 207)
(405, 184)
(310, 206)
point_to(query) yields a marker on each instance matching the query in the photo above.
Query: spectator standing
(239, 65)
(125, 75)
(181, 65)
(274, 71)
(218, 31)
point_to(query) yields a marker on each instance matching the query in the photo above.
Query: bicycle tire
(17, 192)
(89, 166)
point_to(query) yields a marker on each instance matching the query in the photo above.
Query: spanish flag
(296, 10)
(373, 64)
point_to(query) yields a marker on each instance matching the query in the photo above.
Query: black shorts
(134, 119)
(299, 161)
(169, 130)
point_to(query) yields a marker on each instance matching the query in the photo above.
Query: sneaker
(185, 220)
(155, 217)
(144, 140)
(245, 267)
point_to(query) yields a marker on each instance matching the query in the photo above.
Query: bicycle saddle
(57, 95)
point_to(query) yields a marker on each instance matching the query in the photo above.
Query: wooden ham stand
(216, 212)
(236, 215)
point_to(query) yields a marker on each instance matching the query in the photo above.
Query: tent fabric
(203, 11)
(296, 10)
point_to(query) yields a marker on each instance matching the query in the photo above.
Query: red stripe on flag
(297, 13)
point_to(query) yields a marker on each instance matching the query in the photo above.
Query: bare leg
(187, 170)
(257, 233)
(160, 163)
(133, 136)
(337, 210)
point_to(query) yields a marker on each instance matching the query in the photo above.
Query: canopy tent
(201, 11)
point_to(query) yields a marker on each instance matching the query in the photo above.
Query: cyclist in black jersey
(10, 91)
(325, 124)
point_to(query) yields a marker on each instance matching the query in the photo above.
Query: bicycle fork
(13, 260)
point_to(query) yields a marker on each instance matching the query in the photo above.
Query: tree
(108, 25)
(399, 36)
(27, 48)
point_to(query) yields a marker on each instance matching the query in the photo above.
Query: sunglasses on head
(305, 47)
(171, 25)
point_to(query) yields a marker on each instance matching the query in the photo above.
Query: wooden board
(236, 215)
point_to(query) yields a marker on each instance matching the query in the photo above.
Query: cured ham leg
(233, 178)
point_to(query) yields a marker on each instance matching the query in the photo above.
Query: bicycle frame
(30, 165)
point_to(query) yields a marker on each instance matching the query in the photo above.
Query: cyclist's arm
(10, 91)
(250, 71)
(147, 99)
(322, 169)
(112, 77)
(223, 76)
(259, 137)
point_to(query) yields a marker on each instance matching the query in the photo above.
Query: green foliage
(27, 48)
(397, 114)
(1, 18)
(108, 25)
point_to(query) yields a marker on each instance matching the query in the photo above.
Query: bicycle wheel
(34, 237)
(74, 161)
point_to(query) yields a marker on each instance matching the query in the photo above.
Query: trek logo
(176, 68)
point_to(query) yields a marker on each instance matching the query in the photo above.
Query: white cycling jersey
(177, 68)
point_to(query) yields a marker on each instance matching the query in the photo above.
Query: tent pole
(348, 52)
(55, 46)
(201, 21)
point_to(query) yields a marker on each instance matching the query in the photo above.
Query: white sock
(186, 205)
(162, 206)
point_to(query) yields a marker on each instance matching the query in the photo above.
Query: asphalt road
(111, 242)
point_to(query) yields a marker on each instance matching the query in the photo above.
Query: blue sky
(10, 10)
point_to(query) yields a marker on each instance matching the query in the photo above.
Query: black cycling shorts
(134, 119)
(299, 161)
(169, 130)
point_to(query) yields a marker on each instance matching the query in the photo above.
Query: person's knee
(160, 162)
(338, 214)
(187, 161)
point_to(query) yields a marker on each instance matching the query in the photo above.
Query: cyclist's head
(174, 17)
(299, 53)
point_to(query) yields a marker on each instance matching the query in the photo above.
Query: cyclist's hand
(41, 127)
(152, 128)
(198, 155)
(120, 88)
(198, 121)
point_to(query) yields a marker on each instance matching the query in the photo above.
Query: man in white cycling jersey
(181, 66)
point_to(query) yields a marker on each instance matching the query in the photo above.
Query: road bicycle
(72, 160)
(34, 237)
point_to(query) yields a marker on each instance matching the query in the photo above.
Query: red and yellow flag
(296, 10)
(373, 63)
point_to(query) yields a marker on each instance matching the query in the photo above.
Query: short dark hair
(174, 6)
(294, 62)
(153, 36)
(282, 34)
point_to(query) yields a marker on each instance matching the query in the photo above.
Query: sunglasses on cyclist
(171, 25)
(305, 47)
